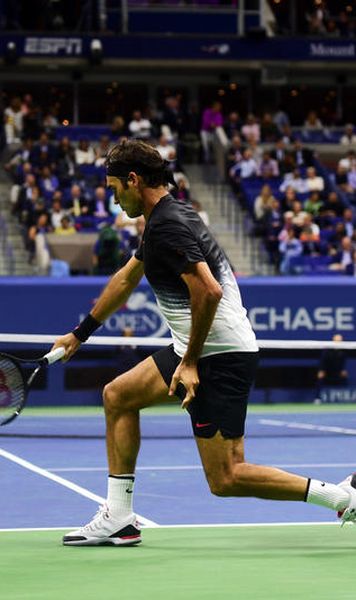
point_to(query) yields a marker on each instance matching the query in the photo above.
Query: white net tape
(161, 342)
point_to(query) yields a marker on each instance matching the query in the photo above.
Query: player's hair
(138, 156)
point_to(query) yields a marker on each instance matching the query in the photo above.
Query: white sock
(327, 494)
(120, 495)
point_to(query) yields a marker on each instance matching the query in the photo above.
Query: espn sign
(53, 46)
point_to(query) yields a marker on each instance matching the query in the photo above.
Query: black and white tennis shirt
(175, 237)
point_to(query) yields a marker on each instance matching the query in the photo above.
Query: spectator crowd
(304, 214)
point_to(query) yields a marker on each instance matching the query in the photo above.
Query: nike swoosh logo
(128, 491)
(199, 425)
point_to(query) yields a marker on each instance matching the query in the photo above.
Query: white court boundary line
(307, 426)
(200, 468)
(64, 482)
(194, 526)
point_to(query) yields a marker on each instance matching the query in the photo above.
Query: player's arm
(205, 295)
(114, 295)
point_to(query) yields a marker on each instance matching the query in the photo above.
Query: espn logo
(53, 45)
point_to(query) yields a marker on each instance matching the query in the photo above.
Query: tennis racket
(14, 386)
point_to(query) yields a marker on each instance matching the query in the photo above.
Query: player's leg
(228, 474)
(115, 522)
(218, 418)
(144, 385)
(123, 397)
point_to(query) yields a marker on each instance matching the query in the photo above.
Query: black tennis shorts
(221, 399)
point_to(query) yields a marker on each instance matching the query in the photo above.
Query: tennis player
(210, 366)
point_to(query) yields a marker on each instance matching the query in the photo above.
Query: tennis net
(286, 401)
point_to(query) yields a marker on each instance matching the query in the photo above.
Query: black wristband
(86, 328)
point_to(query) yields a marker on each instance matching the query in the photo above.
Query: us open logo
(141, 314)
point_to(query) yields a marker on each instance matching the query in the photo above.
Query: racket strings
(12, 389)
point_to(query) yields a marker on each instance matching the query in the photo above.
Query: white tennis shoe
(105, 529)
(349, 513)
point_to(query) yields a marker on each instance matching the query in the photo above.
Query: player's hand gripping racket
(14, 386)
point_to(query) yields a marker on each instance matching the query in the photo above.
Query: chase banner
(279, 308)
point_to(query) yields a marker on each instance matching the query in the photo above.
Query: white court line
(307, 426)
(193, 526)
(65, 482)
(199, 467)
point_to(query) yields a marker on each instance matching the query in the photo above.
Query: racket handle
(54, 355)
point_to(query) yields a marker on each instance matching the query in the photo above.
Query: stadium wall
(279, 308)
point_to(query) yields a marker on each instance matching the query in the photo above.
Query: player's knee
(221, 486)
(112, 399)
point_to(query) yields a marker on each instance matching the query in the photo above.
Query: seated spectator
(349, 222)
(56, 211)
(211, 119)
(274, 223)
(348, 162)
(310, 236)
(298, 214)
(66, 227)
(13, 117)
(108, 253)
(251, 130)
(84, 154)
(50, 121)
(343, 257)
(173, 115)
(65, 161)
(279, 151)
(78, 205)
(288, 199)
(332, 368)
(139, 127)
(118, 127)
(247, 167)
(101, 202)
(349, 137)
(341, 179)
(303, 157)
(48, 182)
(289, 248)
(263, 203)
(202, 213)
(269, 130)
(268, 167)
(313, 204)
(333, 206)
(351, 181)
(19, 158)
(294, 181)
(312, 122)
(234, 154)
(102, 150)
(165, 149)
(314, 182)
(43, 153)
(281, 119)
(232, 124)
(287, 226)
(256, 150)
(42, 225)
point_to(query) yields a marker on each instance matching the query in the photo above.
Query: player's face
(127, 195)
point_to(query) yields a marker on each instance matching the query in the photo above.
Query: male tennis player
(210, 366)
